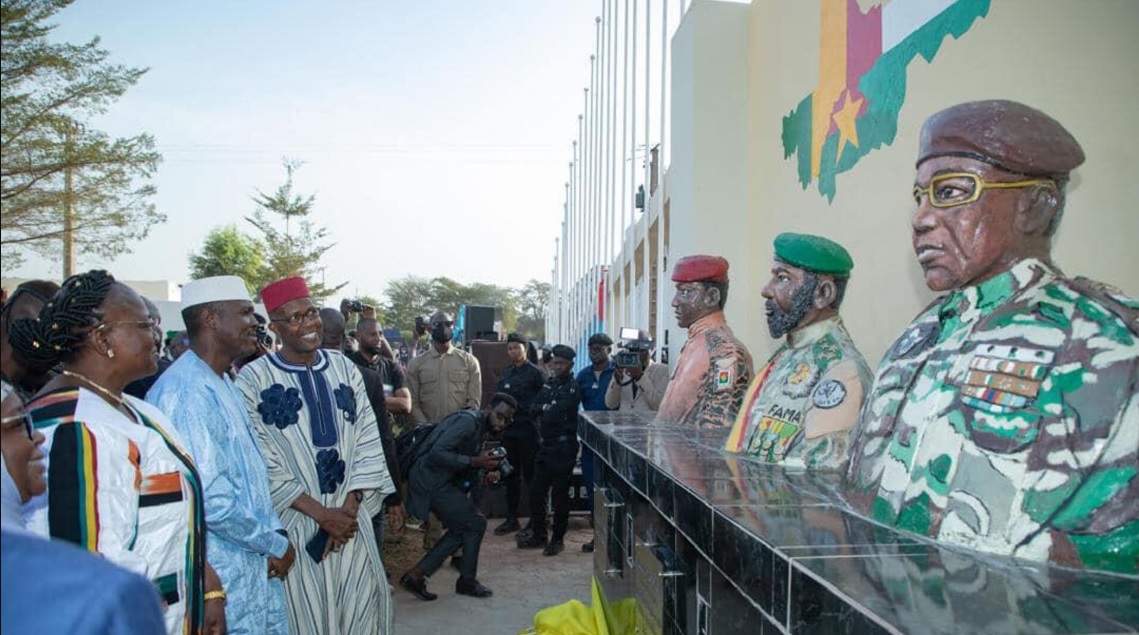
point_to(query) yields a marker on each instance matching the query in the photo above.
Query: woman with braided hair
(119, 482)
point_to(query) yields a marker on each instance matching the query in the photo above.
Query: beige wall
(1074, 60)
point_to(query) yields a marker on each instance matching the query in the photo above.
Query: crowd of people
(248, 488)
(233, 473)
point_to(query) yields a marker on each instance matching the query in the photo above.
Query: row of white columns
(603, 174)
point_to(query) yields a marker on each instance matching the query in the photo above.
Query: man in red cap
(327, 475)
(714, 368)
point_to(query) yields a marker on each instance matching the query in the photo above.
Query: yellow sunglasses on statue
(962, 188)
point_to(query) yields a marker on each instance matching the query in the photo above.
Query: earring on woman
(111, 353)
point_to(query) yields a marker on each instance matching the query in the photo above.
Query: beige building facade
(733, 179)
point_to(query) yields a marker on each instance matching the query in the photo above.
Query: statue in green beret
(801, 407)
(1005, 418)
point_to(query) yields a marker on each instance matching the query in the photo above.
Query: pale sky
(436, 134)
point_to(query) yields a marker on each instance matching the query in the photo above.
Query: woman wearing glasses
(119, 483)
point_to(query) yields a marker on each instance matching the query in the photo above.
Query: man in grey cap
(1005, 416)
(246, 537)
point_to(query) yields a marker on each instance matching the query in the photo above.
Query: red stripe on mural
(863, 46)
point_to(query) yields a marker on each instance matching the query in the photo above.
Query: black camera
(264, 339)
(420, 326)
(355, 306)
(627, 359)
(504, 466)
(633, 342)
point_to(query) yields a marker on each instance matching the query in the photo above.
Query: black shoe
(587, 547)
(508, 526)
(554, 548)
(472, 587)
(417, 587)
(532, 542)
(456, 562)
(524, 533)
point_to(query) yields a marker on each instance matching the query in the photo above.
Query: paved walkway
(523, 580)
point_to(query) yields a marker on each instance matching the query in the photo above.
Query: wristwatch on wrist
(359, 496)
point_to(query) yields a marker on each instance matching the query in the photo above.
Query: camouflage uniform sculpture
(801, 408)
(714, 367)
(1006, 416)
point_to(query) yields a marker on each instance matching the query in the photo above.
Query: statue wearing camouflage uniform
(801, 408)
(1005, 418)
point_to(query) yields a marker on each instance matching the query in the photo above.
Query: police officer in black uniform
(556, 411)
(523, 381)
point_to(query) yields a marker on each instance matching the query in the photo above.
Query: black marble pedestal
(710, 543)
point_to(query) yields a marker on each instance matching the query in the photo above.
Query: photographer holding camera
(639, 382)
(450, 456)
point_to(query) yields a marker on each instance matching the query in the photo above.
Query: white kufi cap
(215, 289)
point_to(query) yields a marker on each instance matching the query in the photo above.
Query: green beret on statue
(813, 253)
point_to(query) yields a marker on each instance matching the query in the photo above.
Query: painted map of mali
(862, 79)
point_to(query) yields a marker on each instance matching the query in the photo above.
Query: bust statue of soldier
(714, 366)
(802, 406)
(1005, 417)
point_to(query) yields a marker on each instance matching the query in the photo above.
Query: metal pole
(660, 176)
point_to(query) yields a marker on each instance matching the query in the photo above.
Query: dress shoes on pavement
(554, 548)
(509, 525)
(472, 587)
(417, 587)
(533, 541)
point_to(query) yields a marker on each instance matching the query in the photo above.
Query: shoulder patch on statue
(802, 378)
(916, 340)
(725, 374)
(829, 394)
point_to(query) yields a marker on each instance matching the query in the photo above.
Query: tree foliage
(228, 252)
(413, 296)
(297, 250)
(48, 91)
(533, 301)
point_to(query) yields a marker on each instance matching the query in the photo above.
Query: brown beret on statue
(700, 269)
(1006, 134)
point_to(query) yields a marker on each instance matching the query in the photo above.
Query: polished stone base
(711, 543)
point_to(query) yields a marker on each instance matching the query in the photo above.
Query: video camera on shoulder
(633, 343)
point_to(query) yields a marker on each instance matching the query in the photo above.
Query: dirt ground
(523, 580)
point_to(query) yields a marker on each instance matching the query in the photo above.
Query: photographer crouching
(449, 461)
(639, 382)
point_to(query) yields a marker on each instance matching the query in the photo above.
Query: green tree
(407, 298)
(298, 249)
(65, 186)
(533, 301)
(413, 296)
(228, 252)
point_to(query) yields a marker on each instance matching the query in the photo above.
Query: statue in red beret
(714, 367)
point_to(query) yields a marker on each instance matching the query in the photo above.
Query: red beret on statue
(282, 292)
(700, 269)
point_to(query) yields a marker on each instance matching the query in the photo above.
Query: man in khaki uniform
(801, 407)
(442, 380)
(445, 378)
